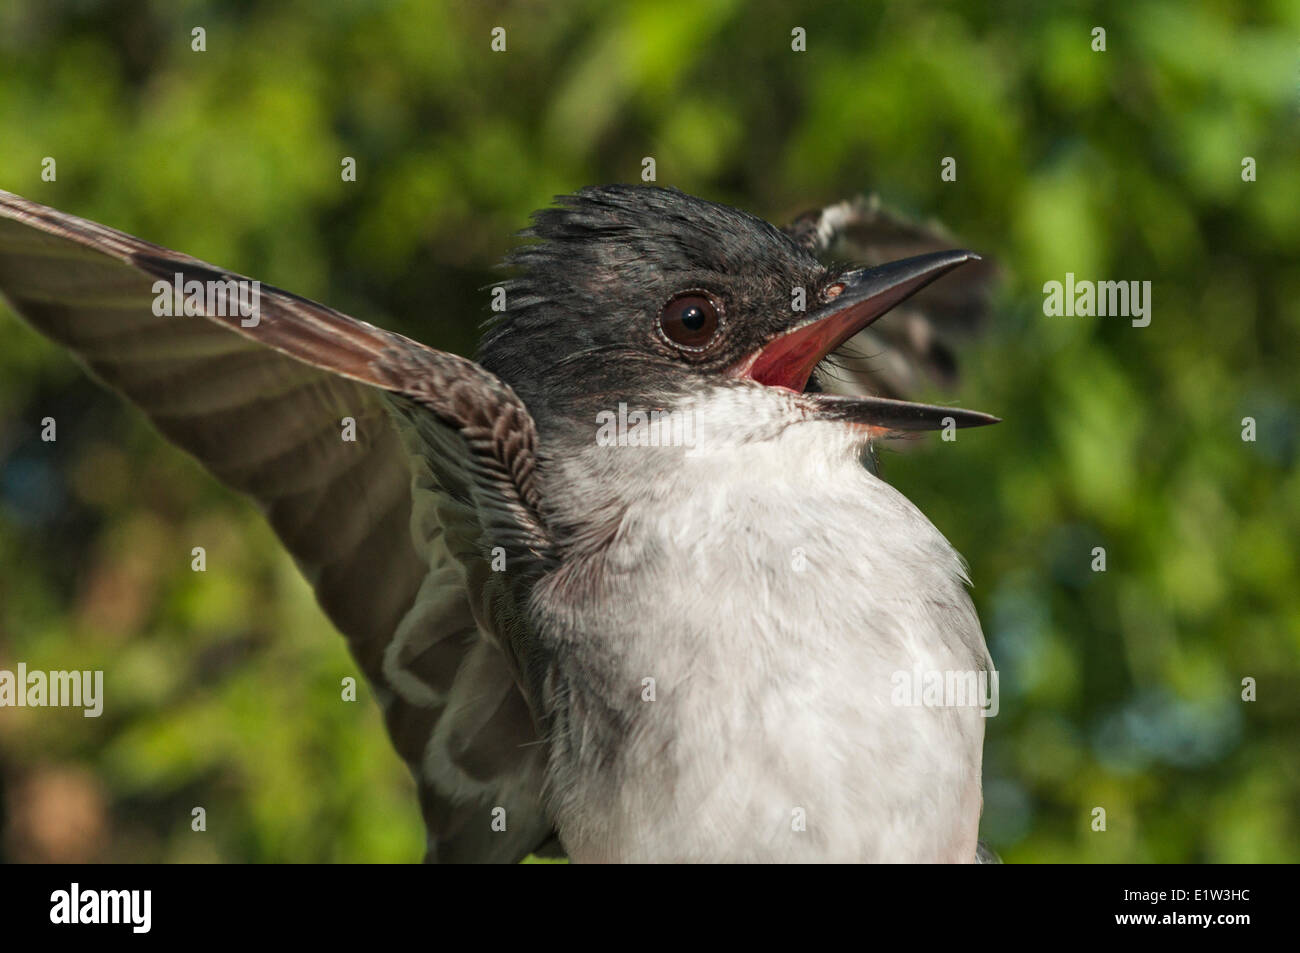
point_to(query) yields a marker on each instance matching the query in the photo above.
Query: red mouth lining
(789, 360)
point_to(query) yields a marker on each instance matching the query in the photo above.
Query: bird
(628, 586)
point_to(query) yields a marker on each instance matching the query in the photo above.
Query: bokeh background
(1120, 690)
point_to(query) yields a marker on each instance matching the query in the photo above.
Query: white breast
(773, 590)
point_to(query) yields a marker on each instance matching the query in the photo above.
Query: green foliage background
(1119, 689)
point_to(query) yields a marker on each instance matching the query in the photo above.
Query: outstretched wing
(395, 530)
(915, 348)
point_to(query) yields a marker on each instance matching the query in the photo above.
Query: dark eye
(690, 320)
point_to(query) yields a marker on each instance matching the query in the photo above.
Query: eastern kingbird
(628, 586)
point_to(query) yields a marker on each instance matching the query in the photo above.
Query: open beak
(860, 297)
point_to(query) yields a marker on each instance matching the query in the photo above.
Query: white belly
(774, 613)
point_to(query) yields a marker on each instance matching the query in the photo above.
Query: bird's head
(651, 297)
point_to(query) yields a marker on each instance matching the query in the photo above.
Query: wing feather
(394, 531)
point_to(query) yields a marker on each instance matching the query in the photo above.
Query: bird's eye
(690, 320)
